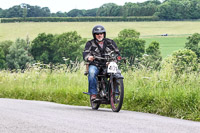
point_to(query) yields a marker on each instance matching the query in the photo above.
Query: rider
(98, 46)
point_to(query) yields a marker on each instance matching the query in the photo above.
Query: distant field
(168, 44)
(177, 31)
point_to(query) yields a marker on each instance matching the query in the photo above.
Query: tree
(91, 12)
(19, 55)
(41, 48)
(109, 9)
(130, 45)
(1, 13)
(75, 13)
(67, 45)
(15, 11)
(128, 33)
(179, 9)
(2, 59)
(45, 12)
(25, 10)
(48, 48)
(147, 8)
(5, 46)
(193, 43)
(59, 14)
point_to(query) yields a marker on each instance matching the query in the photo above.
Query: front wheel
(117, 97)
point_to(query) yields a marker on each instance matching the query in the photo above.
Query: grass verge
(160, 92)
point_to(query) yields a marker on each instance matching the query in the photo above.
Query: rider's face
(99, 36)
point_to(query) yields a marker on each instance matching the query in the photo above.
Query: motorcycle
(110, 85)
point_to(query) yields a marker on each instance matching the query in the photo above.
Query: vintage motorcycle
(110, 85)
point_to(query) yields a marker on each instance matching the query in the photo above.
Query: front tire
(117, 97)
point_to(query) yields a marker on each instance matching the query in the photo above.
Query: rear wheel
(116, 98)
(94, 104)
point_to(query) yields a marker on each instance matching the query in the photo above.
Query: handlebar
(118, 58)
(97, 57)
(110, 56)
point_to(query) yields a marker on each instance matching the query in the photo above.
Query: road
(23, 116)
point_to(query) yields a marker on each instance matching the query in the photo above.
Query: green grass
(160, 92)
(168, 44)
(11, 31)
(149, 31)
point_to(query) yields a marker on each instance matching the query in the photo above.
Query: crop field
(177, 31)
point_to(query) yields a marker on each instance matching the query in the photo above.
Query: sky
(64, 5)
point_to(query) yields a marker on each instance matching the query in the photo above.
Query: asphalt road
(23, 116)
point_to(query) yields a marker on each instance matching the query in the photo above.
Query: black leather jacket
(92, 48)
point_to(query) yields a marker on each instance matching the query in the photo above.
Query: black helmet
(98, 29)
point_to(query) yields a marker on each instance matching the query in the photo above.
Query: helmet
(98, 29)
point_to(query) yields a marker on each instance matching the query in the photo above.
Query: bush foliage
(193, 43)
(184, 61)
(152, 59)
(18, 55)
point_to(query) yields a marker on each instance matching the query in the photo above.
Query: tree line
(166, 10)
(67, 48)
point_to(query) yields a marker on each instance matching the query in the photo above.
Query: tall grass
(160, 92)
(59, 85)
(163, 92)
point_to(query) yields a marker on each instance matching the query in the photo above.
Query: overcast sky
(64, 5)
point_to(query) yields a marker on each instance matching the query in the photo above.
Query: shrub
(184, 61)
(193, 42)
(152, 59)
(18, 55)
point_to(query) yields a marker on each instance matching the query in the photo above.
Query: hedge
(78, 19)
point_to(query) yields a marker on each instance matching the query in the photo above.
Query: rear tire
(116, 98)
(94, 105)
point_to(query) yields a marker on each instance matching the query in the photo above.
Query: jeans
(92, 79)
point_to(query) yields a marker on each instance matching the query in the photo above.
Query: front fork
(111, 86)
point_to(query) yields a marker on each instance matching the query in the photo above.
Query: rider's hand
(90, 58)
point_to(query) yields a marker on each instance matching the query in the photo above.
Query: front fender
(118, 76)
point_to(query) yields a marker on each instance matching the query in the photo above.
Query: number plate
(112, 67)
